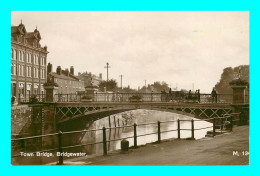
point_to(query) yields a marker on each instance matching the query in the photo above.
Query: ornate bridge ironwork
(70, 111)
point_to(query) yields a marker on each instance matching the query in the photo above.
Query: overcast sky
(175, 47)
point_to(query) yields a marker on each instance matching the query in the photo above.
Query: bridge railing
(31, 98)
(131, 97)
(143, 97)
(218, 125)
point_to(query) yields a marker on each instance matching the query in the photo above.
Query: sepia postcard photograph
(129, 88)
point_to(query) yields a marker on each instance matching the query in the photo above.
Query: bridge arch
(68, 111)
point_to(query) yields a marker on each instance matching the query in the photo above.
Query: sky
(181, 48)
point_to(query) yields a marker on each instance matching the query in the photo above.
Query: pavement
(226, 149)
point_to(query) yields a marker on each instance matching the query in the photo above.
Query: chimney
(100, 75)
(72, 70)
(58, 70)
(66, 72)
(49, 68)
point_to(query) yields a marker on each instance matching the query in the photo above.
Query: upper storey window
(20, 56)
(29, 58)
(36, 59)
(12, 53)
(42, 61)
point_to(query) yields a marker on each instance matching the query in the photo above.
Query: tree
(230, 74)
(155, 87)
(111, 85)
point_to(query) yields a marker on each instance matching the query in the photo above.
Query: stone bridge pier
(239, 106)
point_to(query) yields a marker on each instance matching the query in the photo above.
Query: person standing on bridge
(214, 95)
(198, 95)
(170, 94)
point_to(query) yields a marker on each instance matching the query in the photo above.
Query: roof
(62, 76)
(21, 30)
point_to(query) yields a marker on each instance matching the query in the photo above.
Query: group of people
(191, 96)
(196, 95)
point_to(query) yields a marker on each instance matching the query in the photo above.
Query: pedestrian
(214, 95)
(198, 95)
(189, 95)
(170, 94)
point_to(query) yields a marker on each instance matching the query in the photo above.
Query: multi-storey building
(28, 62)
(90, 79)
(67, 82)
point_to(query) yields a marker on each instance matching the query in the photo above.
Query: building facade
(28, 62)
(67, 82)
(90, 79)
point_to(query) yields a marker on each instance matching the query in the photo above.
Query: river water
(126, 119)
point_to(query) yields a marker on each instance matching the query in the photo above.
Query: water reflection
(139, 117)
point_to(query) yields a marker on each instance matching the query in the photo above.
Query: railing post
(109, 121)
(179, 129)
(135, 136)
(214, 126)
(104, 141)
(115, 121)
(60, 148)
(231, 123)
(159, 131)
(192, 129)
(22, 144)
(67, 97)
(19, 98)
(221, 124)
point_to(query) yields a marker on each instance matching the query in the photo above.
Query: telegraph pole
(107, 67)
(121, 80)
(145, 85)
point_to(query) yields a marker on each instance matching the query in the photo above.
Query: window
(19, 70)
(31, 58)
(42, 73)
(36, 72)
(24, 57)
(27, 57)
(12, 53)
(29, 71)
(36, 60)
(12, 69)
(20, 56)
(22, 70)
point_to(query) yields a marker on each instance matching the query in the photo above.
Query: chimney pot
(58, 70)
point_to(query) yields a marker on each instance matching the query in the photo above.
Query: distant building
(28, 62)
(68, 83)
(90, 79)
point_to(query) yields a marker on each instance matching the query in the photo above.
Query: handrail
(129, 97)
(60, 134)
